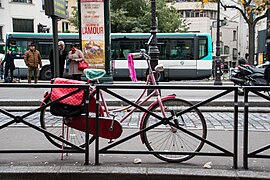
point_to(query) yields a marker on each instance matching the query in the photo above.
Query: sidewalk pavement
(112, 166)
(49, 166)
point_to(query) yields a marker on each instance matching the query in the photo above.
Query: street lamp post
(153, 48)
(217, 58)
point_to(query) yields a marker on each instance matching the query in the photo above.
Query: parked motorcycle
(246, 75)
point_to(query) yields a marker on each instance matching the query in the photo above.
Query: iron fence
(21, 118)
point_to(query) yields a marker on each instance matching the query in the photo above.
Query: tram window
(44, 49)
(202, 47)
(121, 49)
(181, 50)
(21, 46)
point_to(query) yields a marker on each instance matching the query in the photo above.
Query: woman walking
(74, 56)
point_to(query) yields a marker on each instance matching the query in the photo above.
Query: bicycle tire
(163, 138)
(53, 124)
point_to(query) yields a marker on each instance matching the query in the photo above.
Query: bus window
(202, 47)
(21, 47)
(44, 48)
(162, 49)
(180, 49)
(127, 47)
(115, 49)
(185, 49)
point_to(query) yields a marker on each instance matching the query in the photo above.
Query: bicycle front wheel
(166, 138)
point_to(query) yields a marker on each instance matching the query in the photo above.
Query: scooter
(245, 75)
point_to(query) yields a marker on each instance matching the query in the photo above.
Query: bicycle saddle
(94, 74)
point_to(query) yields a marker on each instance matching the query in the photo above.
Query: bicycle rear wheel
(55, 125)
(166, 138)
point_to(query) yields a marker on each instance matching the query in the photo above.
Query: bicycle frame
(110, 114)
(150, 79)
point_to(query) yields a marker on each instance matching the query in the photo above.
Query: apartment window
(234, 53)
(23, 25)
(196, 14)
(188, 14)
(181, 12)
(221, 47)
(226, 49)
(234, 35)
(64, 26)
(23, 1)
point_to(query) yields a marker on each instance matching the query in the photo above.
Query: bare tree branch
(248, 3)
(241, 11)
(261, 17)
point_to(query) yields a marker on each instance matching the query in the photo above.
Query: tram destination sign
(56, 8)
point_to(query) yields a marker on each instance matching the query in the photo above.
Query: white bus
(184, 55)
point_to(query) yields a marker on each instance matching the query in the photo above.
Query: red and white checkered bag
(75, 99)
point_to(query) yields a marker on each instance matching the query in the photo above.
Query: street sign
(56, 8)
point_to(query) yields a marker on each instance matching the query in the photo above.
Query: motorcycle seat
(256, 70)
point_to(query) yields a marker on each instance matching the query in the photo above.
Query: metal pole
(235, 146)
(79, 24)
(217, 58)
(153, 49)
(268, 37)
(56, 72)
(245, 128)
(107, 37)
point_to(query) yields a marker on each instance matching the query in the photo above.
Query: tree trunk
(251, 39)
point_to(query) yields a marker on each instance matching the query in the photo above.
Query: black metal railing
(108, 149)
(223, 152)
(21, 119)
(256, 153)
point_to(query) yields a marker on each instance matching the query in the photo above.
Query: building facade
(64, 25)
(203, 19)
(22, 16)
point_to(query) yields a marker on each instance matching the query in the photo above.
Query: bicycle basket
(75, 99)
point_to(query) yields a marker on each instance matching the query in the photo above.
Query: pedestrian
(32, 59)
(9, 66)
(74, 56)
(62, 58)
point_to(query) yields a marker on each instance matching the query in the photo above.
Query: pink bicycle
(167, 137)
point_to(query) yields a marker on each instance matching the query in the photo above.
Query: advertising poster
(92, 32)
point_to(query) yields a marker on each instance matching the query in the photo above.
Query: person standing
(32, 59)
(62, 58)
(9, 66)
(74, 56)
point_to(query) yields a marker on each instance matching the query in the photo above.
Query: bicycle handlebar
(141, 55)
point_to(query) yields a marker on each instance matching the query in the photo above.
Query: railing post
(97, 127)
(245, 140)
(235, 157)
(86, 96)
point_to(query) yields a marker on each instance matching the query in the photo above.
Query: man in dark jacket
(9, 66)
(62, 58)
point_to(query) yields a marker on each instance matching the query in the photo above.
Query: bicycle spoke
(170, 139)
